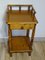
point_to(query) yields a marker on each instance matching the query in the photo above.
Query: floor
(38, 52)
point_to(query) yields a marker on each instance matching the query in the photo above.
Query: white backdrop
(39, 6)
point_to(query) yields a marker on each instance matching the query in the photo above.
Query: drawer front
(28, 26)
(22, 26)
(18, 26)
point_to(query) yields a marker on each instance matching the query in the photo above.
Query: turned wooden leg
(28, 41)
(9, 50)
(9, 40)
(33, 33)
(29, 53)
(27, 33)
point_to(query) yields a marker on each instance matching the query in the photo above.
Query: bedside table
(20, 20)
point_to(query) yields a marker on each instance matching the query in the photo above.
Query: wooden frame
(14, 43)
(29, 6)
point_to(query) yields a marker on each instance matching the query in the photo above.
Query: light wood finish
(20, 44)
(9, 39)
(29, 6)
(38, 52)
(20, 19)
(23, 17)
(22, 26)
(33, 32)
(28, 32)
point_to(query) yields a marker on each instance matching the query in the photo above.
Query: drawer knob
(22, 27)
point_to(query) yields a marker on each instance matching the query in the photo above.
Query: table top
(22, 17)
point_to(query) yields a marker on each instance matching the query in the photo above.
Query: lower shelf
(20, 44)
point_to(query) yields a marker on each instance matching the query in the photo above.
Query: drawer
(16, 26)
(28, 26)
(22, 26)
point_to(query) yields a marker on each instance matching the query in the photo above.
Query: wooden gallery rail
(20, 20)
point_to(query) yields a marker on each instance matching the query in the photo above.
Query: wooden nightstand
(20, 20)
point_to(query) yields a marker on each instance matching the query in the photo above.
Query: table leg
(9, 40)
(33, 33)
(29, 53)
(27, 33)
